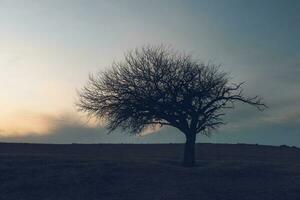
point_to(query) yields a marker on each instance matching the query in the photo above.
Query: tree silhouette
(155, 85)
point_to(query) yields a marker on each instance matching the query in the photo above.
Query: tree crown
(156, 85)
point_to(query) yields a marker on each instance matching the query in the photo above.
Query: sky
(48, 48)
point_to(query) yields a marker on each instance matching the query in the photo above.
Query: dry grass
(151, 172)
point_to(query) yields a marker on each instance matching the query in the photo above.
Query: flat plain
(148, 172)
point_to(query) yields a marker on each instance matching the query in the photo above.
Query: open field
(44, 171)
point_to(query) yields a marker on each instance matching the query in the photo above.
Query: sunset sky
(48, 48)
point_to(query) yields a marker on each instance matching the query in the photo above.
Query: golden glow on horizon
(17, 108)
(29, 123)
(22, 124)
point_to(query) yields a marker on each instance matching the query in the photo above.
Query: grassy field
(154, 172)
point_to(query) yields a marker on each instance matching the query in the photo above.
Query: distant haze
(48, 48)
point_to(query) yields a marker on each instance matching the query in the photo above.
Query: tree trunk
(189, 150)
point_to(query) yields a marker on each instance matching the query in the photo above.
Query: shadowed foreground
(37, 171)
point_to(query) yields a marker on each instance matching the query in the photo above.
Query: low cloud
(71, 128)
(245, 125)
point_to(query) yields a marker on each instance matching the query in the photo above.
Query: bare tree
(155, 85)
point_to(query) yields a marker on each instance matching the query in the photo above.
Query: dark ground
(37, 171)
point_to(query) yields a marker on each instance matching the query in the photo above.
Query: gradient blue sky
(48, 47)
